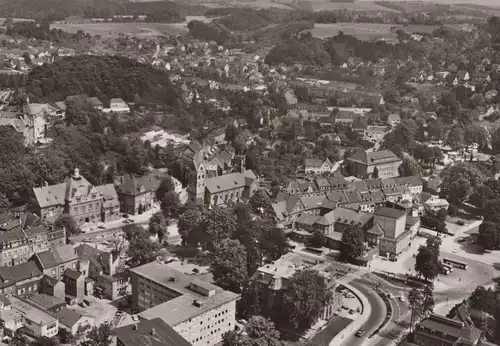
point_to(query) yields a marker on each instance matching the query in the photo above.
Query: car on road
(402, 299)
(351, 311)
(360, 332)
(390, 296)
(135, 318)
(87, 240)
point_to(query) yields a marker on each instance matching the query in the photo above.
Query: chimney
(135, 327)
(153, 332)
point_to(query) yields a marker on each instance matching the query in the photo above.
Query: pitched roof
(374, 157)
(230, 181)
(327, 219)
(450, 327)
(49, 196)
(68, 317)
(95, 101)
(109, 195)
(46, 259)
(72, 274)
(23, 271)
(134, 185)
(308, 219)
(140, 334)
(313, 162)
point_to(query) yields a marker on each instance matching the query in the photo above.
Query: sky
(476, 2)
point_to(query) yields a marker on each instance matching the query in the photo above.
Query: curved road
(377, 315)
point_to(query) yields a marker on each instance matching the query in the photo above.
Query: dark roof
(374, 157)
(450, 327)
(68, 317)
(23, 271)
(390, 212)
(72, 274)
(50, 280)
(133, 185)
(141, 334)
(46, 259)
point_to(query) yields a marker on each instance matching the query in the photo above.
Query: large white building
(199, 311)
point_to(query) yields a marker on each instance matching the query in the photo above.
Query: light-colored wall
(208, 328)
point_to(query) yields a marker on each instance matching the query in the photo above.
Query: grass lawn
(335, 326)
(363, 31)
(133, 29)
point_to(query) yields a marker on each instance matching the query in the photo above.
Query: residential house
(75, 285)
(96, 103)
(184, 302)
(44, 302)
(137, 194)
(345, 117)
(20, 279)
(104, 268)
(271, 280)
(363, 163)
(53, 287)
(435, 204)
(218, 136)
(231, 187)
(360, 125)
(318, 167)
(149, 332)
(118, 105)
(54, 262)
(393, 119)
(71, 321)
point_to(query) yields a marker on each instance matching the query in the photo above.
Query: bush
(453, 210)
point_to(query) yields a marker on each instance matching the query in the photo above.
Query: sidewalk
(351, 329)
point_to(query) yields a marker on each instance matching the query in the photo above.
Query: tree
(489, 235)
(19, 338)
(458, 191)
(158, 225)
(426, 263)
(215, 226)
(98, 336)
(375, 173)
(141, 249)
(416, 301)
(45, 341)
(68, 222)
(434, 243)
(429, 302)
(490, 211)
(260, 203)
(229, 265)
(475, 133)
(317, 240)
(304, 299)
(351, 244)
(456, 138)
(170, 204)
(188, 221)
(495, 141)
(409, 167)
(274, 244)
(183, 170)
(231, 133)
(166, 185)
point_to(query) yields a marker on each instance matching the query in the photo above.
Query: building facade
(199, 311)
(138, 194)
(231, 187)
(384, 163)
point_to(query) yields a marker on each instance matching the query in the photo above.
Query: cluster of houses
(387, 209)
(40, 276)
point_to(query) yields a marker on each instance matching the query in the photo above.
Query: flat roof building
(199, 311)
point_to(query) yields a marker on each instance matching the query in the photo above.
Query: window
(53, 272)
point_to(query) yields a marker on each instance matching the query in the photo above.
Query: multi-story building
(271, 280)
(152, 332)
(199, 311)
(23, 278)
(363, 164)
(53, 263)
(231, 187)
(16, 313)
(138, 194)
(75, 196)
(396, 237)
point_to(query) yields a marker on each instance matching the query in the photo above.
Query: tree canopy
(351, 244)
(229, 265)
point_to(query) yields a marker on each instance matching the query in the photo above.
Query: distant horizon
(492, 3)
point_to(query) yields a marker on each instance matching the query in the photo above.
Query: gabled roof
(390, 213)
(52, 195)
(313, 163)
(109, 195)
(68, 317)
(134, 185)
(23, 271)
(230, 181)
(72, 274)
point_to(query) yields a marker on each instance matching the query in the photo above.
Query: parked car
(135, 318)
(360, 332)
(390, 296)
(402, 299)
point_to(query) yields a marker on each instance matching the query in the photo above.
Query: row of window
(83, 208)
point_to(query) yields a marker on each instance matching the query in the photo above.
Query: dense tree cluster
(105, 77)
(209, 32)
(42, 31)
(427, 260)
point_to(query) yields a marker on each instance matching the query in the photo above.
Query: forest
(60, 9)
(105, 77)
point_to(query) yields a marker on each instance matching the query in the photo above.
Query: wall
(90, 210)
(207, 329)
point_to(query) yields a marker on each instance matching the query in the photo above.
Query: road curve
(377, 315)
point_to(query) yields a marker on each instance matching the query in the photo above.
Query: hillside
(104, 76)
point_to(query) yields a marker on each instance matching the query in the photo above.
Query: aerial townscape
(249, 173)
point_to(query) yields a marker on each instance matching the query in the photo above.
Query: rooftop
(152, 332)
(374, 157)
(390, 213)
(30, 312)
(181, 308)
(230, 181)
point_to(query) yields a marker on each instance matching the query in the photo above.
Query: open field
(325, 5)
(363, 31)
(132, 29)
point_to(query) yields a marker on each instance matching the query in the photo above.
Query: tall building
(363, 164)
(75, 196)
(199, 311)
(154, 332)
(138, 194)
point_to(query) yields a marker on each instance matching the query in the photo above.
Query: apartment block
(199, 311)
